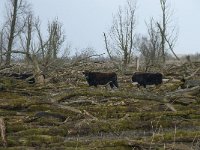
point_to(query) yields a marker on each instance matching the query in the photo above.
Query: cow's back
(99, 78)
(147, 78)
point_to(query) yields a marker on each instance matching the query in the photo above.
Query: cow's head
(86, 73)
(134, 78)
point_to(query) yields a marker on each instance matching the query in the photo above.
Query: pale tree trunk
(137, 63)
(163, 29)
(40, 79)
(29, 36)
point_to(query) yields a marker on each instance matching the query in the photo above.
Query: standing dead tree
(1, 46)
(150, 46)
(13, 18)
(119, 42)
(25, 46)
(38, 49)
(168, 35)
(41, 41)
(19, 31)
(29, 34)
(16, 12)
(26, 37)
(55, 41)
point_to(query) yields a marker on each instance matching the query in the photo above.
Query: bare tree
(16, 10)
(41, 43)
(51, 46)
(31, 46)
(26, 37)
(167, 33)
(46, 49)
(56, 37)
(150, 46)
(119, 42)
(29, 33)
(20, 27)
(155, 42)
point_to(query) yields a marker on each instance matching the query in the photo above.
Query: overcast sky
(84, 21)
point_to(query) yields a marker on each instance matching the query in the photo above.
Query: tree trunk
(163, 32)
(40, 79)
(12, 32)
(28, 38)
(1, 48)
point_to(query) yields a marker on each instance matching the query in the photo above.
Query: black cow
(147, 78)
(98, 78)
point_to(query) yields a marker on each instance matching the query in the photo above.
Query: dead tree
(16, 10)
(12, 30)
(41, 42)
(1, 47)
(168, 35)
(29, 34)
(119, 42)
(26, 37)
(150, 46)
(55, 41)
(154, 43)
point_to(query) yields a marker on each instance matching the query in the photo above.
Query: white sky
(84, 21)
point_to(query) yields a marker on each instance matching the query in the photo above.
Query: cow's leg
(158, 85)
(115, 83)
(138, 85)
(111, 85)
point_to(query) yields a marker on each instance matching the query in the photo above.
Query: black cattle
(147, 78)
(98, 78)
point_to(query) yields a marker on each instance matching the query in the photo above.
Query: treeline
(21, 38)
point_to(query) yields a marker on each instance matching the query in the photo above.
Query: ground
(67, 114)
